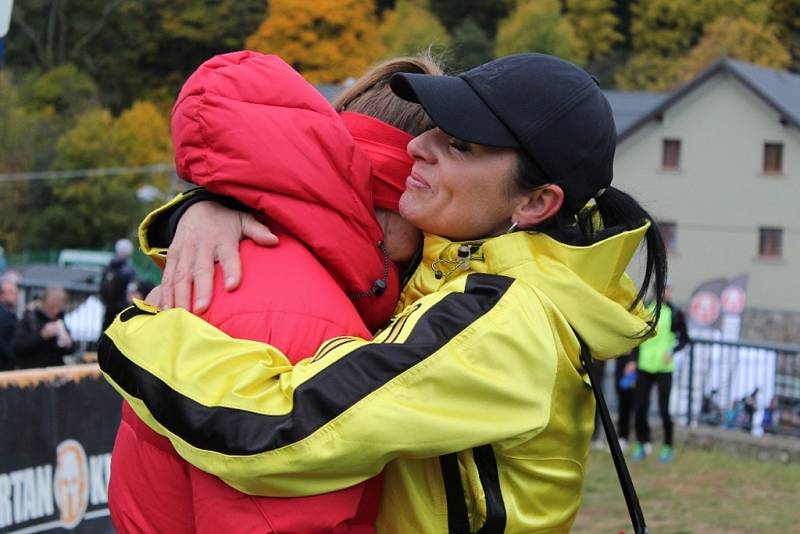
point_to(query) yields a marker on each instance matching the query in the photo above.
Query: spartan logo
(71, 484)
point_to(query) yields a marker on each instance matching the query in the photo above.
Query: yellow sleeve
(453, 371)
(148, 241)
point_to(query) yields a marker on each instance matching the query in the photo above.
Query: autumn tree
(93, 211)
(539, 26)
(738, 38)
(784, 16)
(664, 31)
(594, 25)
(327, 40)
(409, 28)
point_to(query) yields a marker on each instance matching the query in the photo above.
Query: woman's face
(459, 190)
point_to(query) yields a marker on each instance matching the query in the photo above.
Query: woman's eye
(458, 144)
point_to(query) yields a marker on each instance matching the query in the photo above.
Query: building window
(770, 242)
(773, 158)
(671, 154)
(668, 233)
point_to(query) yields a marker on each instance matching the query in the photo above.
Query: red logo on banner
(704, 308)
(733, 300)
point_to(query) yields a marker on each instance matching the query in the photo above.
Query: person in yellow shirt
(473, 399)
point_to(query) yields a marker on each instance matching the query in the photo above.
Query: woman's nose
(420, 147)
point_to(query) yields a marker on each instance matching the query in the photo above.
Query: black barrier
(57, 428)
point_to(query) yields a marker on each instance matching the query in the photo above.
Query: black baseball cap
(549, 108)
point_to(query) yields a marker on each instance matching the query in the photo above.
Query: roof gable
(779, 89)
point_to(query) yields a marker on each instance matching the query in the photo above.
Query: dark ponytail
(620, 212)
(617, 212)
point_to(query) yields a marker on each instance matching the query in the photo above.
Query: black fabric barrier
(57, 428)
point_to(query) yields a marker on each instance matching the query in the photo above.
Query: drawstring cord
(378, 286)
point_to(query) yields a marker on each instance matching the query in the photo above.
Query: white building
(717, 162)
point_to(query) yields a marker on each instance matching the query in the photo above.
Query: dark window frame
(773, 158)
(770, 242)
(671, 154)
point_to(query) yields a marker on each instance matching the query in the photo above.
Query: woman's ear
(538, 205)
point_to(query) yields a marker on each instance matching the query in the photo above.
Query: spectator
(3, 263)
(141, 289)
(117, 276)
(772, 416)
(42, 339)
(624, 383)
(8, 322)
(655, 365)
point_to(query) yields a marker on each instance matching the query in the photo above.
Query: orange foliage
(326, 40)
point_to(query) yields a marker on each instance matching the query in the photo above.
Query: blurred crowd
(34, 334)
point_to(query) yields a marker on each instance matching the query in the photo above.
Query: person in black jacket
(116, 279)
(8, 323)
(42, 338)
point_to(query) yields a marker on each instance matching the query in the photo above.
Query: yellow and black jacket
(473, 398)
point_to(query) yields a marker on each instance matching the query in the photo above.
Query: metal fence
(750, 386)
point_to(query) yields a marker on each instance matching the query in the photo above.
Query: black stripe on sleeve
(318, 400)
(457, 518)
(132, 311)
(490, 481)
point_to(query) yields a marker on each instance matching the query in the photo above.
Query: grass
(699, 492)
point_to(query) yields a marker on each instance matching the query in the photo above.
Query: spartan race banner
(57, 428)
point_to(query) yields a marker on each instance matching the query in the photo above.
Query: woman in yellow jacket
(473, 399)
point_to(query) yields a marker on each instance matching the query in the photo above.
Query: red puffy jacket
(248, 126)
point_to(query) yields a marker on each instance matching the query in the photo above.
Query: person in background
(140, 290)
(8, 322)
(42, 338)
(598, 434)
(654, 367)
(116, 279)
(625, 384)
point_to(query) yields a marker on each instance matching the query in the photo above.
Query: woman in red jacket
(247, 126)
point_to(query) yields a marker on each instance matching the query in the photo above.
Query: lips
(415, 181)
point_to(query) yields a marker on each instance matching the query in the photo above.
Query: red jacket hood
(248, 126)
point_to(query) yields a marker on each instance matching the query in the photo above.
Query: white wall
(719, 197)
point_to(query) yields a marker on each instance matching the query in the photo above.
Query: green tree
(132, 49)
(669, 28)
(785, 17)
(650, 72)
(64, 89)
(595, 26)
(485, 13)
(327, 41)
(471, 46)
(666, 28)
(22, 134)
(539, 26)
(411, 27)
(738, 38)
